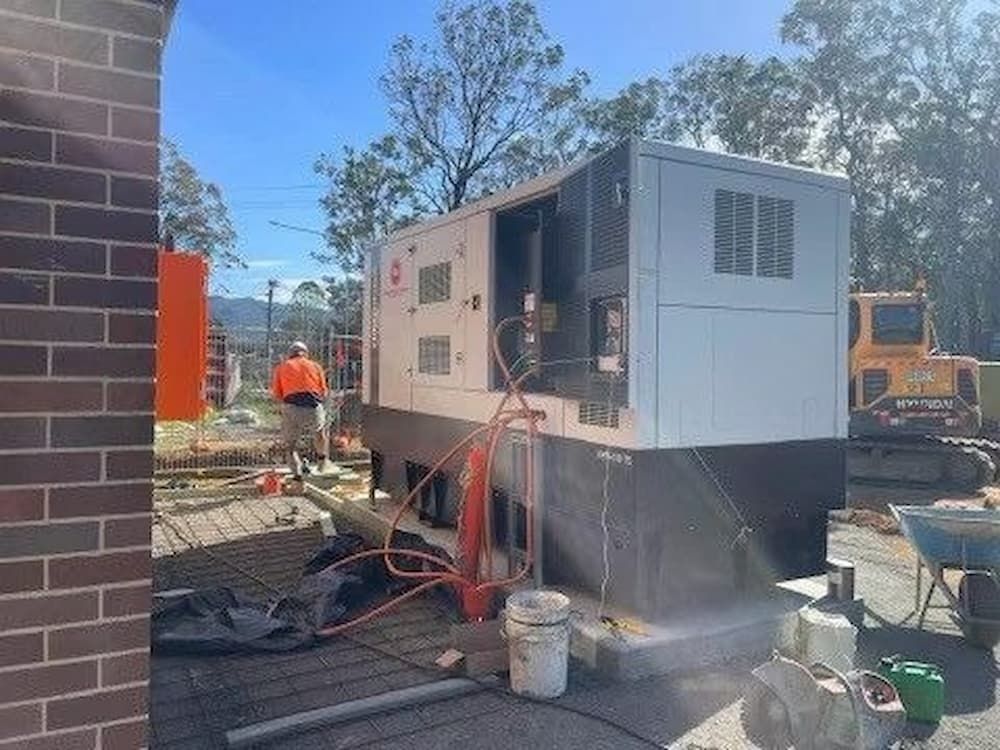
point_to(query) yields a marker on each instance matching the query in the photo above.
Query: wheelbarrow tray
(966, 539)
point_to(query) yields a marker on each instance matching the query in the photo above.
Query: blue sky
(253, 91)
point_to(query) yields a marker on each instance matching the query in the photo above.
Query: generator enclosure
(688, 346)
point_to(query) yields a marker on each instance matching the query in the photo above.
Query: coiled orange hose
(448, 573)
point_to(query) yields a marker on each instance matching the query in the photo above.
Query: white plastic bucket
(536, 626)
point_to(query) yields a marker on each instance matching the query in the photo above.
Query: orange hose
(496, 426)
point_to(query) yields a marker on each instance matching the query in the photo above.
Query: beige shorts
(297, 421)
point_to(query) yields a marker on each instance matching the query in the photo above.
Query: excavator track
(937, 462)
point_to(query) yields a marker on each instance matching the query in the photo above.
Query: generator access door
(438, 340)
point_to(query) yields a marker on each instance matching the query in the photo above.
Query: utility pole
(271, 284)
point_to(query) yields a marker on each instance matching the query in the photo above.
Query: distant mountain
(241, 312)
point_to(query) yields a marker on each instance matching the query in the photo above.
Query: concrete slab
(744, 629)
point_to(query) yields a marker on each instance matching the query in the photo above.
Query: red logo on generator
(396, 272)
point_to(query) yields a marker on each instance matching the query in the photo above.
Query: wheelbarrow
(965, 539)
(818, 708)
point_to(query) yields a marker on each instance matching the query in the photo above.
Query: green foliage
(459, 102)
(344, 296)
(901, 95)
(306, 312)
(193, 212)
(909, 98)
(370, 195)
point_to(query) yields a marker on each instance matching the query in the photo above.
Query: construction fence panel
(241, 426)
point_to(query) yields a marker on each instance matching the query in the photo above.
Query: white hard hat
(298, 347)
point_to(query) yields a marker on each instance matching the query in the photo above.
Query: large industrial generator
(685, 335)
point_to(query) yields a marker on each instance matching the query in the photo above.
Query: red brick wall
(79, 123)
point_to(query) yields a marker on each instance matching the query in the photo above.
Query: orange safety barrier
(182, 336)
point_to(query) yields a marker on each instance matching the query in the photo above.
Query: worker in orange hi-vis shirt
(299, 384)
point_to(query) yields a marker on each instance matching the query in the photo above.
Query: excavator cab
(899, 384)
(915, 415)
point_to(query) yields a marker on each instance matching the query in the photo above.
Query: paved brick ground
(196, 699)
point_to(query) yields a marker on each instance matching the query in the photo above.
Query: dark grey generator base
(674, 543)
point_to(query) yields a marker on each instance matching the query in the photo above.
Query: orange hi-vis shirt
(298, 375)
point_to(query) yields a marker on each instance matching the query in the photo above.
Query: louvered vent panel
(598, 413)
(873, 384)
(775, 233)
(435, 283)
(734, 240)
(434, 355)
(609, 209)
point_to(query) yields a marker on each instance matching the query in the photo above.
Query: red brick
(133, 192)
(86, 291)
(28, 108)
(52, 182)
(45, 8)
(41, 682)
(127, 532)
(21, 432)
(56, 609)
(29, 145)
(44, 254)
(80, 432)
(107, 14)
(50, 395)
(130, 600)
(23, 360)
(88, 570)
(109, 85)
(132, 329)
(22, 505)
(99, 707)
(24, 289)
(26, 72)
(51, 325)
(27, 575)
(34, 540)
(118, 156)
(129, 735)
(137, 124)
(130, 396)
(136, 54)
(17, 721)
(125, 226)
(133, 260)
(130, 464)
(46, 39)
(85, 640)
(24, 216)
(22, 648)
(117, 670)
(99, 500)
(81, 740)
(32, 468)
(106, 362)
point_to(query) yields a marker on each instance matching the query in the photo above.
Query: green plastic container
(920, 687)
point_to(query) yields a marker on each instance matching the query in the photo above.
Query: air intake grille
(434, 355)
(967, 387)
(873, 384)
(775, 220)
(754, 234)
(598, 413)
(435, 283)
(733, 232)
(609, 209)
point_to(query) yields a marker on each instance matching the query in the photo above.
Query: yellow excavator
(915, 415)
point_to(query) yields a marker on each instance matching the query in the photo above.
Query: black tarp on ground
(221, 620)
